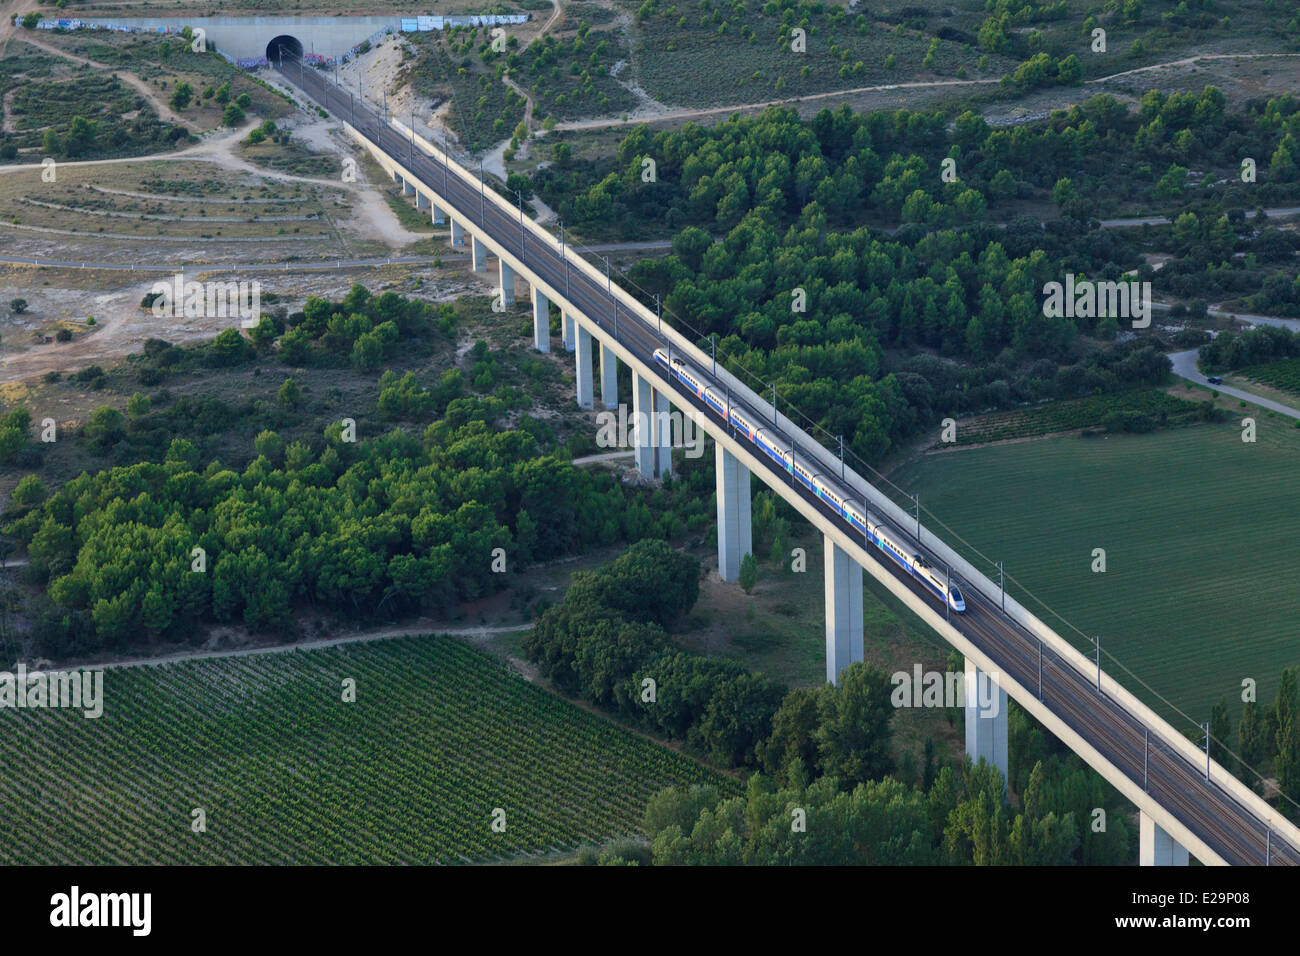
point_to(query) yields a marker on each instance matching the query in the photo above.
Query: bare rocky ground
(369, 226)
(68, 297)
(122, 326)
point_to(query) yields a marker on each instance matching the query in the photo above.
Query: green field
(1199, 533)
(439, 736)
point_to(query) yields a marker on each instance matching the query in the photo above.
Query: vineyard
(286, 772)
(1283, 375)
(1158, 408)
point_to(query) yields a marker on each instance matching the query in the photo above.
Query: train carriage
(850, 511)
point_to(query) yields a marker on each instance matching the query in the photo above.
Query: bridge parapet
(1159, 729)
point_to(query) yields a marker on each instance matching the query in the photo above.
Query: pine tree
(748, 572)
(1220, 731)
(1249, 741)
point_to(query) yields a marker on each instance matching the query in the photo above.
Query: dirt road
(130, 79)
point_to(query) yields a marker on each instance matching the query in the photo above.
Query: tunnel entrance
(283, 47)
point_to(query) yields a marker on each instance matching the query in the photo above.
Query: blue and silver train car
(801, 470)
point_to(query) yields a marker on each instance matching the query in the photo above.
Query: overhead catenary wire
(793, 414)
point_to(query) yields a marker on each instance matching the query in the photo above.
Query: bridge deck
(1224, 823)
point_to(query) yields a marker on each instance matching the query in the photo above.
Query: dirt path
(8, 11)
(372, 217)
(118, 333)
(8, 117)
(140, 86)
(555, 15)
(648, 113)
(642, 116)
(477, 635)
(604, 457)
(1188, 61)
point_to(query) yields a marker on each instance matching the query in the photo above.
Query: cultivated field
(1160, 408)
(440, 735)
(1199, 533)
(1283, 376)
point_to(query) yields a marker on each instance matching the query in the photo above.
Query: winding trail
(1187, 61)
(476, 634)
(163, 110)
(675, 114)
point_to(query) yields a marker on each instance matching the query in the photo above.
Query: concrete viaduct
(1187, 802)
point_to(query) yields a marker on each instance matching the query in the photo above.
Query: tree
(1250, 743)
(1282, 165)
(650, 581)
(183, 451)
(689, 246)
(181, 96)
(271, 445)
(367, 352)
(748, 573)
(1221, 731)
(81, 135)
(1069, 70)
(521, 184)
(228, 349)
(138, 406)
(1034, 72)
(296, 347)
(232, 116)
(1172, 183)
(264, 333)
(107, 427)
(18, 306)
(992, 36)
(853, 732)
(1063, 191)
(29, 492)
(793, 737)
(1003, 185)
(290, 395)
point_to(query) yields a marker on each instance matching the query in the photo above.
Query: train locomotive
(800, 469)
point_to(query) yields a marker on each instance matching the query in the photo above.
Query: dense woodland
(847, 321)
(888, 166)
(826, 749)
(374, 526)
(1256, 346)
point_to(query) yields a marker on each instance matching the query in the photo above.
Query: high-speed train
(801, 469)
